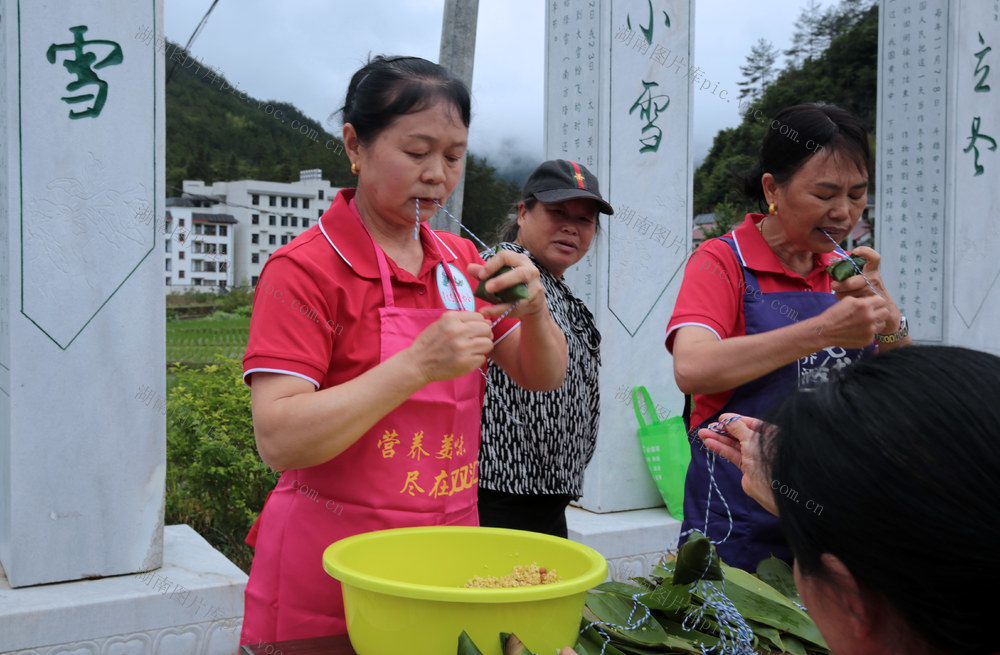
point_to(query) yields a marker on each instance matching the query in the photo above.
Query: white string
(631, 625)
(719, 428)
(471, 233)
(416, 227)
(735, 636)
(504, 315)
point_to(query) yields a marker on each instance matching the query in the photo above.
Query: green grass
(196, 341)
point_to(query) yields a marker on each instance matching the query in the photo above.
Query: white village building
(198, 245)
(266, 215)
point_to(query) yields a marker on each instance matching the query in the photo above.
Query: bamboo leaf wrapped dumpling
(847, 267)
(511, 294)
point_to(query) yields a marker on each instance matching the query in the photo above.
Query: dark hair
(509, 229)
(893, 468)
(797, 133)
(388, 87)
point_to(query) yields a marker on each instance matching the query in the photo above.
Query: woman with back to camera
(536, 445)
(379, 418)
(889, 501)
(886, 482)
(755, 318)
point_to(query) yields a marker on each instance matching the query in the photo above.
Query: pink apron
(416, 466)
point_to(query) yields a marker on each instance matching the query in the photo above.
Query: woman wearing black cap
(536, 445)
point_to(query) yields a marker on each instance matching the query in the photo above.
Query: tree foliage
(837, 20)
(844, 74)
(214, 134)
(487, 198)
(759, 69)
(728, 214)
(809, 38)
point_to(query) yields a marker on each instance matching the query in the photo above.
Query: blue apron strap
(751, 287)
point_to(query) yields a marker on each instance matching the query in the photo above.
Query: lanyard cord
(489, 385)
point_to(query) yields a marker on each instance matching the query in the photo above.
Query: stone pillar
(938, 134)
(618, 98)
(82, 329)
(458, 53)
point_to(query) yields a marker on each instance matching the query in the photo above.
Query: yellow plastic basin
(403, 589)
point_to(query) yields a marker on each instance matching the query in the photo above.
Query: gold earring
(772, 210)
(356, 170)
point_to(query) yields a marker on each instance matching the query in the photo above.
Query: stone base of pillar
(193, 604)
(631, 541)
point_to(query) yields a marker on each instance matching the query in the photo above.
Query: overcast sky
(304, 52)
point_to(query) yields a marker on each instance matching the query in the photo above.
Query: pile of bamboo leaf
(695, 604)
(768, 603)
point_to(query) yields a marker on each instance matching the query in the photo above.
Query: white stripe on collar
(346, 261)
(323, 230)
(739, 251)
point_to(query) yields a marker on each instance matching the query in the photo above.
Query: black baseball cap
(560, 179)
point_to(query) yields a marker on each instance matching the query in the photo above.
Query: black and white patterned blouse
(548, 453)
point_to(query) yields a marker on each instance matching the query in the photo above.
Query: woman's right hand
(853, 322)
(297, 426)
(453, 345)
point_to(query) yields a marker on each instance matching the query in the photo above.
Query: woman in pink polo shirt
(367, 348)
(757, 316)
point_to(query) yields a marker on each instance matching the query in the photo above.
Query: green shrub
(234, 298)
(216, 482)
(175, 298)
(191, 297)
(222, 316)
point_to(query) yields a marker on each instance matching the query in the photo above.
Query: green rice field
(196, 341)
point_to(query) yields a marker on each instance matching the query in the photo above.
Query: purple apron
(756, 534)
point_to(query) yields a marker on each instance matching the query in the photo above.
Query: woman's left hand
(524, 271)
(857, 287)
(741, 446)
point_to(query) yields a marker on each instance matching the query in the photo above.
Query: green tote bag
(666, 449)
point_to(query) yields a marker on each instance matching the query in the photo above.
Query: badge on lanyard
(454, 297)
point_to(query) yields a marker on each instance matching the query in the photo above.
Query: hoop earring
(356, 170)
(772, 210)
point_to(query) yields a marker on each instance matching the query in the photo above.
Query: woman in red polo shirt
(755, 318)
(366, 389)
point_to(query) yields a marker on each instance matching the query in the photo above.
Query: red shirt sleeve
(711, 297)
(291, 326)
(711, 293)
